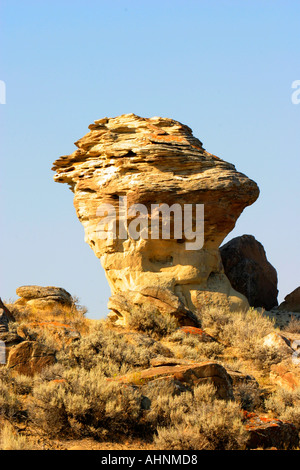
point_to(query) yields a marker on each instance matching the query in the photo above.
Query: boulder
(38, 297)
(291, 302)
(265, 432)
(286, 374)
(129, 160)
(249, 272)
(277, 341)
(30, 357)
(5, 317)
(190, 374)
(150, 299)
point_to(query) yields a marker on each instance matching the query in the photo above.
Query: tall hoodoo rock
(156, 161)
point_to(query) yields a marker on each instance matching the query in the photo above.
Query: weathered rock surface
(267, 432)
(155, 161)
(5, 317)
(42, 297)
(150, 299)
(190, 374)
(249, 272)
(291, 302)
(30, 357)
(277, 341)
(286, 374)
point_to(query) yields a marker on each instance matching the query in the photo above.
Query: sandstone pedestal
(157, 161)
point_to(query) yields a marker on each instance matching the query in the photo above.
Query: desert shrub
(11, 440)
(293, 326)
(48, 411)
(243, 327)
(54, 372)
(262, 356)
(110, 349)
(85, 403)
(215, 320)
(103, 405)
(248, 395)
(244, 331)
(192, 347)
(73, 314)
(181, 438)
(10, 405)
(151, 321)
(169, 403)
(285, 404)
(215, 425)
(22, 384)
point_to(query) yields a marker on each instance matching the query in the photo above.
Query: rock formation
(42, 297)
(30, 358)
(291, 301)
(5, 317)
(249, 272)
(156, 161)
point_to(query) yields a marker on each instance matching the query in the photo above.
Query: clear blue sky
(223, 67)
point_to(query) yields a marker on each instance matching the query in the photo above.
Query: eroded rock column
(156, 161)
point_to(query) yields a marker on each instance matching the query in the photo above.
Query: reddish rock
(285, 374)
(200, 334)
(30, 357)
(249, 272)
(267, 432)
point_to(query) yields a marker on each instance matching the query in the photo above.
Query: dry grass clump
(10, 405)
(152, 322)
(109, 349)
(85, 403)
(199, 421)
(187, 346)
(248, 395)
(293, 326)
(285, 404)
(73, 314)
(11, 440)
(243, 331)
(235, 328)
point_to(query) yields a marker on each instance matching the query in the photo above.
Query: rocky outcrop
(5, 317)
(131, 160)
(265, 432)
(185, 372)
(291, 302)
(249, 272)
(42, 297)
(30, 358)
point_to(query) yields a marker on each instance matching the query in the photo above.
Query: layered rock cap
(156, 161)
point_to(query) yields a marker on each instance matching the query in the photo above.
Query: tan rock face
(156, 161)
(39, 297)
